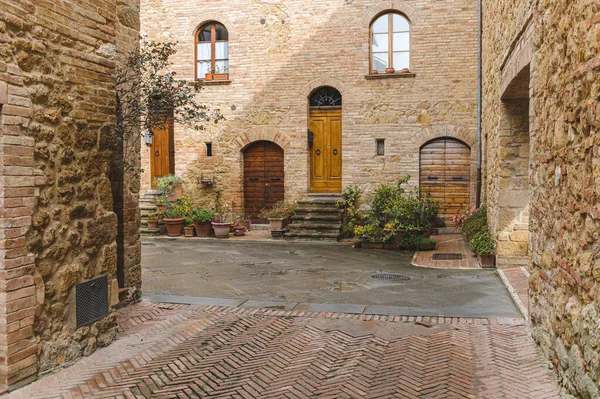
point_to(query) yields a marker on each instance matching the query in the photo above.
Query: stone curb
(513, 294)
(336, 311)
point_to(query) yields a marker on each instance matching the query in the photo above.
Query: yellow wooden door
(162, 152)
(326, 151)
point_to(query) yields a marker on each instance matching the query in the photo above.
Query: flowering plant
(460, 219)
(281, 209)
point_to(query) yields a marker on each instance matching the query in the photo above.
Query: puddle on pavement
(344, 286)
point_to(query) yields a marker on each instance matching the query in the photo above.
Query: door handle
(172, 153)
(432, 178)
(254, 179)
(156, 153)
(318, 152)
(335, 151)
(457, 178)
(275, 178)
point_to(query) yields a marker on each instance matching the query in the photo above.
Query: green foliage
(152, 216)
(370, 233)
(167, 184)
(414, 242)
(188, 221)
(351, 215)
(161, 200)
(281, 209)
(475, 223)
(179, 209)
(483, 243)
(202, 215)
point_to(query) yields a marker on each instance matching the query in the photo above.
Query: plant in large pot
(485, 245)
(370, 236)
(203, 219)
(170, 186)
(175, 215)
(222, 224)
(279, 215)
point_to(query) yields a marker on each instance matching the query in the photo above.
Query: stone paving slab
(192, 351)
(447, 243)
(192, 300)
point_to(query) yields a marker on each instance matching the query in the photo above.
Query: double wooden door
(326, 151)
(263, 177)
(445, 175)
(162, 152)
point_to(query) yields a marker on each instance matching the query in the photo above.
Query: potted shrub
(485, 246)
(170, 186)
(417, 243)
(188, 229)
(279, 215)
(176, 214)
(222, 224)
(161, 203)
(152, 221)
(370, 236)
(202, 219)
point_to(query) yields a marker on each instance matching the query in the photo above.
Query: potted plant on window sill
(203, 221)
(222, 73)
(485, 246)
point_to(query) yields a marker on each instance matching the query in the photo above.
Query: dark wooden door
(445, 175)
(326, 151)
(162, 152)
(263, 177)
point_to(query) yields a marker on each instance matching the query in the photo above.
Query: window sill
(216, 82)
(391, 75)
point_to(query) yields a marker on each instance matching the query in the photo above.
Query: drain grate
(447, 256)
(390, 277)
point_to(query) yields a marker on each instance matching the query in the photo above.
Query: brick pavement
(183, 351)
(447, 243)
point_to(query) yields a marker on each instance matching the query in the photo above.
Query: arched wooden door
(263, 177)
(445, 175)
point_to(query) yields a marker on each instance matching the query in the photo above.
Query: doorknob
(156, 153)
(335, 151)
(318, 152)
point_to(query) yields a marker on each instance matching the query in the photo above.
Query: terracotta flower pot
(390, 70)
(487, 261)
(221, 229)
(174, 226)
(374, 72)
(372, 245)
(203, 229)
(176, 193)
(152, 224)
(427, 247)
(277, 223)
(188, 231)
(245, 224)
(239, 231)
(161, 207)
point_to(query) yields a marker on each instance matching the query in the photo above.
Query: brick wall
(557, 44)
(57, 225)
(281, 51)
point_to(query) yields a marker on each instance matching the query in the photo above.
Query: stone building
(68, 249)
(285, 73)
(541, 131)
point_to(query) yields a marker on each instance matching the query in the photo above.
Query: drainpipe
(479, 78)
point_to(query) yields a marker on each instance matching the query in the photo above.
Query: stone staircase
(147, 207)
(316, 219)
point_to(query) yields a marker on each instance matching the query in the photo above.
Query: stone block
(3, 93)
(512, 248)
(519, 236)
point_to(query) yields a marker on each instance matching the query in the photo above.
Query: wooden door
(445, 175)
(162, 152)
(326, 151)
(263, 177)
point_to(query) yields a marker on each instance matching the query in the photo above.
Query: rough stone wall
(281, 51)
(57, 225)
(560, 42)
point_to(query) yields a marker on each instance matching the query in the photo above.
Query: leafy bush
(351, 215)
(189, 221)
(202, 215)
(414, 242)
(370, 233)
(475, 223)
(281, 209)
(483, 243)
(180, 208)
(161, 200)
(152, 216)
(167, 184)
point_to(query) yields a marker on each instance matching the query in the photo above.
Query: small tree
(148, 94)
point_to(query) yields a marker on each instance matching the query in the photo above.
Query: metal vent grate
(390, 277)
(447, 256)
(91, 300)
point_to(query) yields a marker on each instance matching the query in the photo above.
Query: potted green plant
(176, 214)
(222, 224)
(417, 243)
(188, 229)
(161, 203)
(152, 221)
(485, 245)
(202, 218)
(370, 236)
(279, 215)
(221, 73)
(170, 186)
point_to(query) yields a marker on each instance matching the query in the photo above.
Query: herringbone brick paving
(180, 351)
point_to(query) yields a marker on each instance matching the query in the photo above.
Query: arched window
(212, 52)
(390, 43)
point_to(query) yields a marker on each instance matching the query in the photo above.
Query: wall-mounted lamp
(148, 138)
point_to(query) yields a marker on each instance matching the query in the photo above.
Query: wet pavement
(315, 277)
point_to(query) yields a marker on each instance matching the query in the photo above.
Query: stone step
(311, 236)
(327, 217)
(308, 225)
(304, 210)
(150, 232)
